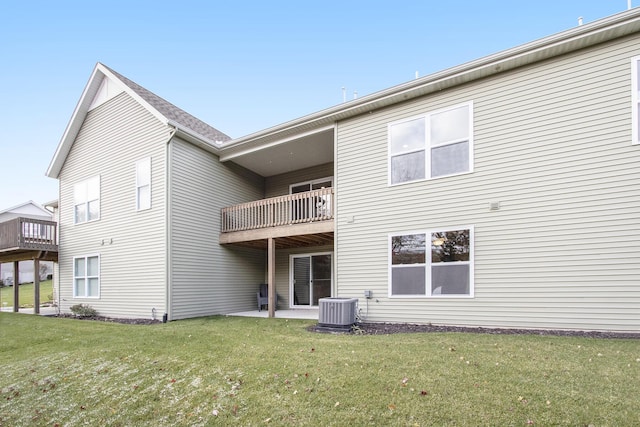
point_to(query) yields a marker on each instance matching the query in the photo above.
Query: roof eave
(615, 26)
(73, 127)
(194, 138)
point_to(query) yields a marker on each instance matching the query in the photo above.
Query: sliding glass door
(311, 279)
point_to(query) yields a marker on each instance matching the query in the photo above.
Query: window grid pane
(408, 249)
(92, 266)
(94, 210)
(407, 136)
(143, 172)
(450, 279)
(144, 197)
(92, 288)
(79, 269)
(408, 167)
(450, 246)
(408, 280)
(449, 126)
(450, 159)
(79, 288)
(93, 189)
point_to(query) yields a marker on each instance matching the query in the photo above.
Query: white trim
(85, 276)
(635, 101)
(138, 186)
(308, 255)
(428, 146)
(428, 264)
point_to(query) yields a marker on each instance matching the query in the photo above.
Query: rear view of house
(499, 193)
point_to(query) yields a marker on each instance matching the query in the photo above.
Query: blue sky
(240, 66)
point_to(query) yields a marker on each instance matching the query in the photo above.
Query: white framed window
(86, 276)
(86, 200)
(432, 263)
(635, 99)
(434, 145)
(143, 184)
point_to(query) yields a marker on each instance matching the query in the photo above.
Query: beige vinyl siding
(131, 244)
(278, 185)
(207, 278)
(552, 145)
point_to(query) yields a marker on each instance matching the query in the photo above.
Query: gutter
(194, 137)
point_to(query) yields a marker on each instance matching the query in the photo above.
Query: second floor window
(86, 200)
(437, 144)
(143, 184)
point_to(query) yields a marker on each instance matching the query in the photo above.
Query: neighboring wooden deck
(25, 239)
(302, 219)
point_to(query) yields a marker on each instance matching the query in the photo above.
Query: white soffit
(286, 156)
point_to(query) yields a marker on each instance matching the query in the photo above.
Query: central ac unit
(337, 313)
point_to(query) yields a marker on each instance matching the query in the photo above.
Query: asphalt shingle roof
(174, 113)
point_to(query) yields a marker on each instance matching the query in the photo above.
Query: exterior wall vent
(337, 313)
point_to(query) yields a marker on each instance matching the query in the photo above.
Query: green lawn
(26, 294)
(242, 371)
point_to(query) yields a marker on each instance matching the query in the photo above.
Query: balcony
(301, 219)
(26, 238)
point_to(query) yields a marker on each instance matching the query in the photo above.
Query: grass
(243, 371)
(26, 294)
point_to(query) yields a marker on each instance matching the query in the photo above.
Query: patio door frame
(292, 257)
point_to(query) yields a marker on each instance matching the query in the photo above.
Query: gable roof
(30, 205)
(600, 31)
(187, 126)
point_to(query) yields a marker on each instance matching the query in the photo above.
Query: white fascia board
(73, 127)
(82, 108)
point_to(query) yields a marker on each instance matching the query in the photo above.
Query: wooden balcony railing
(29, 234)
(310, 206)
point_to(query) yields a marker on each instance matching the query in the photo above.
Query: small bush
(82, 310)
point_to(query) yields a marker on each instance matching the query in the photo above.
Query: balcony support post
(36, 286)
(271, 272)
(16, 286)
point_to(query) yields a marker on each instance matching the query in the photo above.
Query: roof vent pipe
(628, 4)
(344, 94)
(580, 21)
(355, 94)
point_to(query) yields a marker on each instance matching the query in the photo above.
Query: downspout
(335, 292)
(167, 224)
